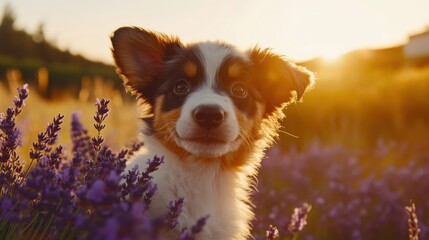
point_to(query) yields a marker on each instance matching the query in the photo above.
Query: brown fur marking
(190, 69)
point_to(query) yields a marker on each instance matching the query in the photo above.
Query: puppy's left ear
(279, 80)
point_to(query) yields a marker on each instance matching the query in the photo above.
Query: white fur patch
(212, 55)
(187, 128)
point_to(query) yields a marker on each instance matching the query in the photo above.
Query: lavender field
(362, 156)
(351, 161)
(353, 196)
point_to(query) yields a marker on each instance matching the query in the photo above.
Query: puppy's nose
(209, 116)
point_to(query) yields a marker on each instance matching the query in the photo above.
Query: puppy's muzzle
(209, 116)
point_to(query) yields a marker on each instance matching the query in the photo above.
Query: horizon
(308, 29)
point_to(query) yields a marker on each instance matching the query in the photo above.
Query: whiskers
(167, 131)
(248, 139)
(288, 133)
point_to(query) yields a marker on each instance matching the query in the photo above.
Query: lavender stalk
(299, 219)
(413, 222)
(271, 233)
(100, 115)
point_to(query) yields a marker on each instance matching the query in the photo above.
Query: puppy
(211, 111)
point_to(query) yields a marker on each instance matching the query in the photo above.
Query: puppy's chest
(206, 192)
(206, 189)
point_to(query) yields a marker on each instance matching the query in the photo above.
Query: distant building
(418, 45)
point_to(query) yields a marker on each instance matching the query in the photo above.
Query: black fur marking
(225, 81)
(173, 72)
(149, 126)
(149, 92)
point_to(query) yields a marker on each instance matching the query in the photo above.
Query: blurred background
(369, 111)
(371, 58)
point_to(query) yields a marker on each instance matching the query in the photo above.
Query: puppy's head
(206, 99)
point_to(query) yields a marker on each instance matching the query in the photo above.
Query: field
(121, 129)
(360, 154)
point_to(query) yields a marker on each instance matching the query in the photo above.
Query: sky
(298, 29)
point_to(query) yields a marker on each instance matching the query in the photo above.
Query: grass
(357, 109)
(121, 129)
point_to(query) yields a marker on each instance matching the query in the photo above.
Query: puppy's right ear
(139, 56)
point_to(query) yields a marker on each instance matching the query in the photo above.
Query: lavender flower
(96, 192)
(135, 188)
(19, 101)
(174, 210)
(100, 115)
(56, 157)
(10, 134)
(82, 145)
(147, 199)
(190, 234)
(10, 165)
(271, 233)
(43, 197)
(44, 142)
(152, 166)
(53, 129)
(134, 148)
(130, 181)
(299, 218)
(38, 147)
(413, 222)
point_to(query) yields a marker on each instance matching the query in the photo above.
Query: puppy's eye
(181, 87)
(239, 90)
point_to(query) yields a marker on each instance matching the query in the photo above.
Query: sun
(332, 54)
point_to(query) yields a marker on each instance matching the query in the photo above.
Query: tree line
(28, 52)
